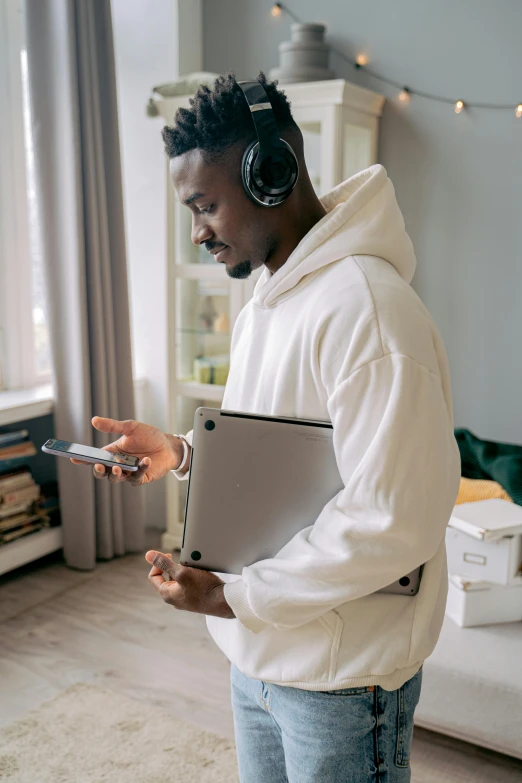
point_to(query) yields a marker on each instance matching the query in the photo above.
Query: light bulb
(276, 9)
(404, 96)
(518, 112)
(459, 106)
(361, 59)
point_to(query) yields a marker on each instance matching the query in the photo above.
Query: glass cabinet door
(202, 330)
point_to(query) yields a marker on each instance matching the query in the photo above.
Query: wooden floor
(59, 626)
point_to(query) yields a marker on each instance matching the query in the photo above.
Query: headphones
(269, 168)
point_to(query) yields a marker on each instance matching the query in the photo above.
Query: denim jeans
(353, 735)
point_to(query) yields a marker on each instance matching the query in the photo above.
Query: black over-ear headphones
(269, 168)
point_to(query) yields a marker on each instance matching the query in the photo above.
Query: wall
(457, 177)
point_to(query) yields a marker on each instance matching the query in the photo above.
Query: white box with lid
(484, 541)
(474, 602)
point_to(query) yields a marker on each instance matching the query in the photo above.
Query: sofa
(472, 686)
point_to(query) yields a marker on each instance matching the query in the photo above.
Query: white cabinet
(340, 123)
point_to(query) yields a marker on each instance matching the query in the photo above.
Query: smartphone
(62, 448)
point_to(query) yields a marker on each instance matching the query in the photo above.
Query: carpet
(87, 734)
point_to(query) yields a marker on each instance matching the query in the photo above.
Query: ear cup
(272, 181)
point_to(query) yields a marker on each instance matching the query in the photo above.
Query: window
(24, 340)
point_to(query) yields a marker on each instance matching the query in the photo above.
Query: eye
(207, 210)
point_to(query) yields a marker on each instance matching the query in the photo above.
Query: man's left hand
(192, 589)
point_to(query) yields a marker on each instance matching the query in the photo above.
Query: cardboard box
(473, 602)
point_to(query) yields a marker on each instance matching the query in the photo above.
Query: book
(24, 494)
(17, 450)
(12, 437)
(15, 480)
(22, 531)
(11, 464)
(17, 508)
(19, 519)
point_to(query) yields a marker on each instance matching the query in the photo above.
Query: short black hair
(219, 118)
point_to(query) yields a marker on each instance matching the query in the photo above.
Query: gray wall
(458, 178)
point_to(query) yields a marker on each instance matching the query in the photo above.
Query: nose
(201, 232)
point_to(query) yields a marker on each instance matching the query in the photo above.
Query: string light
(406, 92)
(404, 95)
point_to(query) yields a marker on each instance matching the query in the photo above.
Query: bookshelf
(31, 409)
(25, 550)
(22, 404)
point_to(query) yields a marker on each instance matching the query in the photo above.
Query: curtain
(72, 87)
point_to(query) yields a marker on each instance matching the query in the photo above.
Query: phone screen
(78, 451)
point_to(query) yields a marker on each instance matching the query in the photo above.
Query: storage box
(474, 602)
(484, 541)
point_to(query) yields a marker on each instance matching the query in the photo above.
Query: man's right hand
(158, 453)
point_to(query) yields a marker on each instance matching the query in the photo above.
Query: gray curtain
(72, 87)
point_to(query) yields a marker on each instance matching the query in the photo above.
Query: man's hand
(158, 452)
(193, 589)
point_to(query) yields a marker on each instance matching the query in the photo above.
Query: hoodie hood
(363, 218)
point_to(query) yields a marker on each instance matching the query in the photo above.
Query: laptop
(254, 482)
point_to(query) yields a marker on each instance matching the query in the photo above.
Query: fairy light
(405, 95)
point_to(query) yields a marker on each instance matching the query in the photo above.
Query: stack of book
(21, 507)
(20, 512)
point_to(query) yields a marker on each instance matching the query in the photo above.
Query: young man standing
(326, 671)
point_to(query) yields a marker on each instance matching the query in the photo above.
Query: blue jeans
(353, 735)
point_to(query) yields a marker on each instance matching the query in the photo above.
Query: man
(326, 671)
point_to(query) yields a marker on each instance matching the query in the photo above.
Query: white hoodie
(338, 334)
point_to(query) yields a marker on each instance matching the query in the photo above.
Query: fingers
(102, 424)
(161, 562)
(116, 475)
(79, 462)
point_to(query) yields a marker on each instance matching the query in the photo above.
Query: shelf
(201, 391)
(30, 547)
(21, 404)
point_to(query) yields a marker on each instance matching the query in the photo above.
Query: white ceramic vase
(305, 57)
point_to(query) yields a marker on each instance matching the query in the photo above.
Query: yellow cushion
(480, 489)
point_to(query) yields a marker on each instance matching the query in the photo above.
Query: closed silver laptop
(255, 481)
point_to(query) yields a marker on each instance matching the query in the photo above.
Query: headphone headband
(269, 168)
(263, 116)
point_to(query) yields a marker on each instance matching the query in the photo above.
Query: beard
(240, 271)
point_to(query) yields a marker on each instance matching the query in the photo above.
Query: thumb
(114, 425)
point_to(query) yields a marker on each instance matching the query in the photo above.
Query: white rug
(89, 734)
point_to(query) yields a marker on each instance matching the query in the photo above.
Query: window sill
(20, 404)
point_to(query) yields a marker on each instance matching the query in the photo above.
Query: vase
(305, 57)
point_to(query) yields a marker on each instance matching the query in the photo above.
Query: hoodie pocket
(333, 623)
(307, 653)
